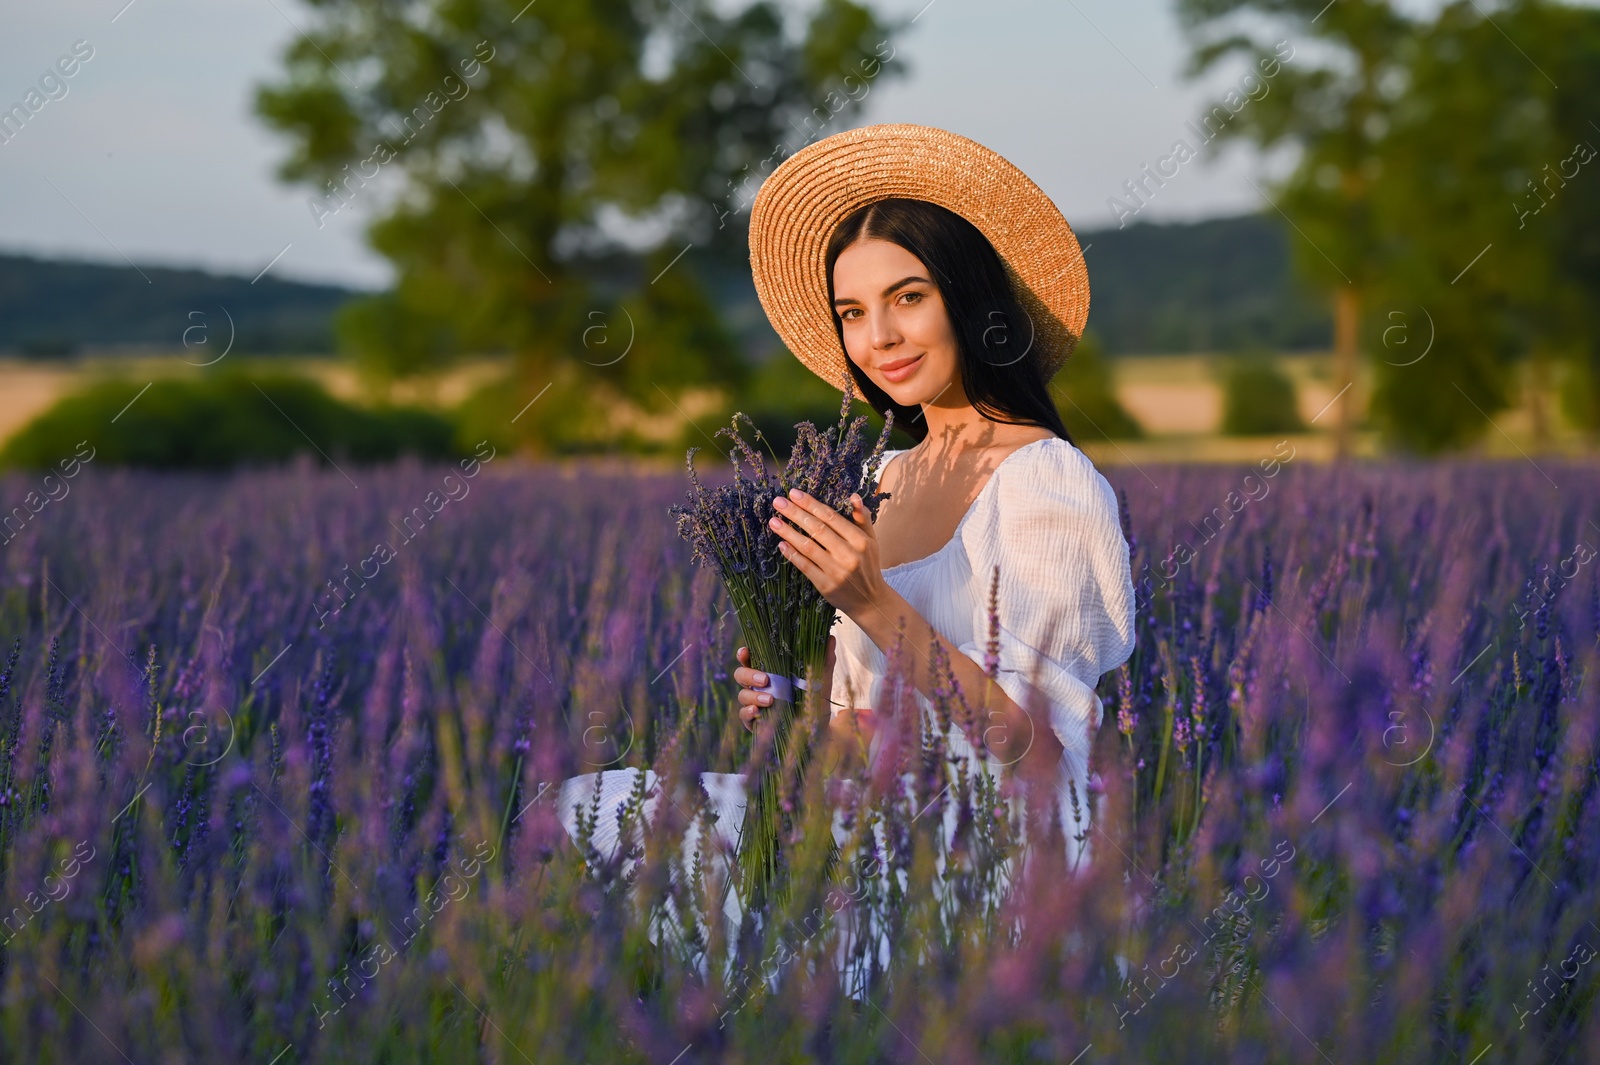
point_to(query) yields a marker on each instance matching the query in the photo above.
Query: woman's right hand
(751, 702)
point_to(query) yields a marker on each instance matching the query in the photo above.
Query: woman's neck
(954, 431)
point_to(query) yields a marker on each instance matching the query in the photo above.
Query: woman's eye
(912, 297)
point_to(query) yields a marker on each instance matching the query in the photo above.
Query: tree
(1335, 109)
(388, 340)
(523, 144)
(1426, 146)
(1493, 214)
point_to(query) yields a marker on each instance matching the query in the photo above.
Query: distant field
(1176, 398)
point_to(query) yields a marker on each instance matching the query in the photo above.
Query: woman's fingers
(751, 702)
(824, 529)
(749, 713)
(808, 535)
(822, 515)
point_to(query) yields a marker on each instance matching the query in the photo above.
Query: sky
(154, 156)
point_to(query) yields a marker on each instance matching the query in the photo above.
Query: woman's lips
(902, 372)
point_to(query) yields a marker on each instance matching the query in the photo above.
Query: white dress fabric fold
(1047, 519)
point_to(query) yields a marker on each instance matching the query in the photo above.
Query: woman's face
(895, 324)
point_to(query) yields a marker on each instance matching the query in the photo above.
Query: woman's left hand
(837, 554)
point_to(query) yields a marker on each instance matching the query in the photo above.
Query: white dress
(1048, 519)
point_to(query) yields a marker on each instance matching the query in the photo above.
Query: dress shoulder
(1052, 520)
(1049, 542)
(871, 472)
(1042, 492)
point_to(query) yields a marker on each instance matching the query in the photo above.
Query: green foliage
(660, 338)
(531, 137)
(558, 415)
(388, 339)
(1327, 97)
(1258, 398)
(1084, 395)
(1488, 242)
(1445, 188)
(1442, 400)
(596, 404)
(1320, 79)
(222, 421)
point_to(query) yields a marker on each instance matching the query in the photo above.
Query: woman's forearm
(1008, 731)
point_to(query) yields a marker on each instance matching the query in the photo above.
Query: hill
(1225, 284)
(51, 307)
(1219, 285)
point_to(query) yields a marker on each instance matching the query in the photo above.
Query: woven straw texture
(815, 189)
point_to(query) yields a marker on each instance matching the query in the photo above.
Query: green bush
(223, 421)
(1258, 398)
(1086, 400)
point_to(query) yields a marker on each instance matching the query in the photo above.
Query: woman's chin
(915, 391)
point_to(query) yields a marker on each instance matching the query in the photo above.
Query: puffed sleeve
(1065, 602)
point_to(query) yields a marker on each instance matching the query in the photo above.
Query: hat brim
(805, 199)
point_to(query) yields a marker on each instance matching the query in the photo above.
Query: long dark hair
(992, 330)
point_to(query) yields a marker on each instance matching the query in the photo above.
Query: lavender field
(275, 748)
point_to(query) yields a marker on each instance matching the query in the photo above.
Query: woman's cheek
(856, 342)
(927, 326)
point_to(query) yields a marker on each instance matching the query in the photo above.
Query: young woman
(927, 317)
(948, 287)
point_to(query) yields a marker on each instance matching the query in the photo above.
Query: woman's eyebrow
(914, 278)
(904, 281)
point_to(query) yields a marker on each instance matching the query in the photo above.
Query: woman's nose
(883, 333)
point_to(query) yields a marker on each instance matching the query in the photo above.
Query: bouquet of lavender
(785, 619)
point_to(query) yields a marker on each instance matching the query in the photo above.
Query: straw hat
(815, 189)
